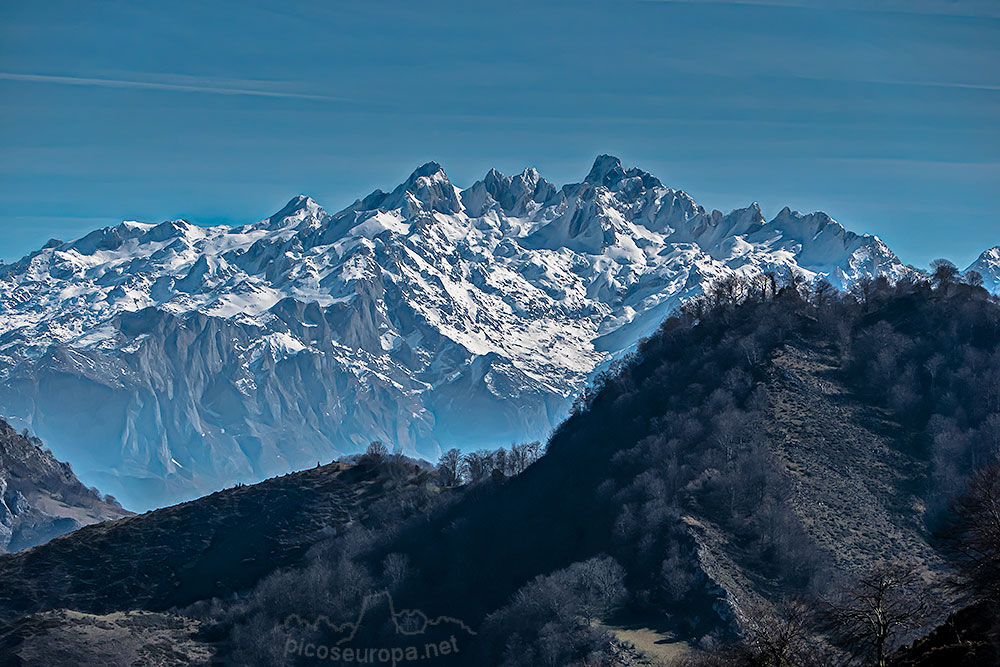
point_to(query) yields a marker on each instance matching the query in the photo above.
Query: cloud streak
(896, 82)
(960, 8)
(159, 85)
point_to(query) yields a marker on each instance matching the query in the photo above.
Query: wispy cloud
(966, 8)
(206, 88)
(783, 68)
(898, 82)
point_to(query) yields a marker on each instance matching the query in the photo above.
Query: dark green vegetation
(768, 468)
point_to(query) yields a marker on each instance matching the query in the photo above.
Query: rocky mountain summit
(40, 497)
(169, 360)
(988, 266)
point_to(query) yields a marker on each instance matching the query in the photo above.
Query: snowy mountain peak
(430, 169)
(517, 195)
(301, 212)
(990, 257)
(297, 204)
(607, 171)
(426, 177)
(428, 189)
(817, 218)
(426, 316)
(988, 266)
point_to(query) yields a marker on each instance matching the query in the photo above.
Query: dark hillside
(765, 446)
(211, 547)
(40, 497)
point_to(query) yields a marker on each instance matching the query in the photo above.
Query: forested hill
(766, 444)
(768, 447)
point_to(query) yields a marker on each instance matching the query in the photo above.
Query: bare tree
(522, 456)
(500, 462)
(863, 289)
(973, 535)
(600, 586)
(870, 616)
(973, 278)
(767, 283)
(733, 430)
(397, 465)
(450, 467)
(944, 272)
(783, 638)
(695, 308)
(478, 465)
(797, 282)
(517, 459)
(731, 290)
(677, 575)
(823, 293)
(395, 569)
(933, 367)
(376, 451)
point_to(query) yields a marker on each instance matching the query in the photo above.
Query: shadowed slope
(175, 556)
(40, 497)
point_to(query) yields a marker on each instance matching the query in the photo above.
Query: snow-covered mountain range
(168, 360)
(988, 266)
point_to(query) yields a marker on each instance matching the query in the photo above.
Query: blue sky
(882, 113)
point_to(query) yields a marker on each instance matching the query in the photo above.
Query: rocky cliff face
(169, 360)
(40, 497)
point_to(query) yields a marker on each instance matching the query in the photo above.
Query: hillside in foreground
(766, 448)
(219, 544)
